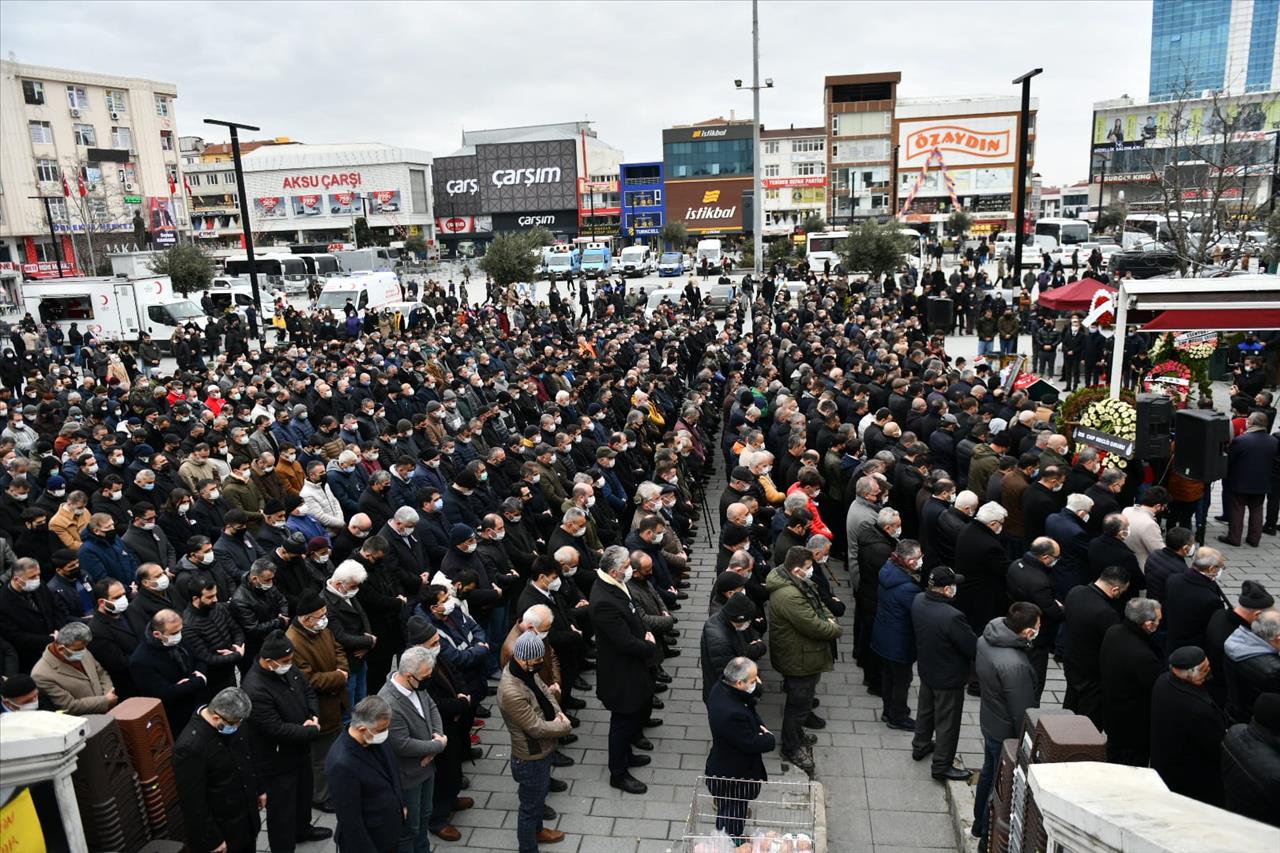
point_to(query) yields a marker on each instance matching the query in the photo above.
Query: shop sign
(968, 141)
(803, 181)
(384, 201)
(714, 205)
(528, 177)
(133, 199)
(270, 207)
(307, 182)
(464, 224)
(552, 220)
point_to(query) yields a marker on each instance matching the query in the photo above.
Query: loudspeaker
(1155, 426)
(1200, 452)
(942, 314)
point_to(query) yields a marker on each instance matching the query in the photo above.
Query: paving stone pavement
(877, 799)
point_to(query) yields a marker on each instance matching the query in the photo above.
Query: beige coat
(76, 690)
(68, 526)
(532, 737)
(319, 658)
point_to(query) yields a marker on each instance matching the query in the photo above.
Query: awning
(1220, 319)
(1077, 296)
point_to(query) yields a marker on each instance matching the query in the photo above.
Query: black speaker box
(1155, 427)
(942, 314)
(1200, 452)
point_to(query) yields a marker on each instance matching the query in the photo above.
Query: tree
(959, 223)
(96, 217)
(364, 237)
(779, 251)
(415, 244)
(814, 223)
(675, 235)
(1271, 251)
(874, 249)
(189, 267)
(1112, 217)
(510, 259)
(540, 236)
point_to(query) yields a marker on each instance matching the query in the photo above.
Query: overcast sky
(416, 74)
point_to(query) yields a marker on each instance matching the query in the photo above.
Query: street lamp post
(1020, 215)
(757, 203)
(53, 237)
(244, 220)
(1102, 185)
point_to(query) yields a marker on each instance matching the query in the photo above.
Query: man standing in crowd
(946, 647)
(217, 786)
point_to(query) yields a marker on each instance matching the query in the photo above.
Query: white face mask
(1035, 633)
(215, 494)
(283, 669)
(381, 737)
(467, 549)
(162, 583)
(658, 537)
(31, 585)
(554, 586)
(207, 558)
(119, 605)
(741, 626)
(542, 635)
(626, 575)
(172, 639)
(449, 606)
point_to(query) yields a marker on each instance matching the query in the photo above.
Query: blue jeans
(533, 779)
(987, 778)
(986, 348)
(414, 837)
(357, 688)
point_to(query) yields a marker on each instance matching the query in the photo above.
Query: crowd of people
(332, 559)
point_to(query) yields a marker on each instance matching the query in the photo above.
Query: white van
(372, 259)
(709, 249)
(365, 290)
(636, 261)
(114, 308)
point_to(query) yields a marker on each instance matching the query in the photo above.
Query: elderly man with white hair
(350, 624)
(1068, 527)
(70, 676)
(981, 558)
(417, 737)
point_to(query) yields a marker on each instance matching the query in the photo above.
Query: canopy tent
(1077, 296)
(1220, 319)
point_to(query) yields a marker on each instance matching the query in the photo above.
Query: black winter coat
(981, 558)
(366, 796)
(720, 643)
(156, 671)
(1161, 565)
(1186, 739)
(206, 631)
(28, 620)
(217, 787)
(1104, 504)
(1089, 613)
(945, 644)
(278, 740)
(1251, 772)
(1107, 551)
(1038, 503)
(1191, 599)
(1130, 665)
(623, 657)
(739, 738)
(1029, 580)
(257, 612)
(114, 642)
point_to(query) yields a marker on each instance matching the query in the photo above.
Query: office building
(793, 177)
(858, 111)
(708, 167)
(1226, 46)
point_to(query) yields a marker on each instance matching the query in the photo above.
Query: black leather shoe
(315, 833)
(323, 807)
(671, 653)
(813, 721)
(682, 584)
(549, 813)
(816, 702)
(559, 759)
(573, 721)
(643, 743)
(638, 760)
(476, 753)
(483, 712)
(557, 786)
(681, 595)
(673, 634)
(652, 722)
(573, 703)
(663, 678)
(973, 690)
(568, 739)
(953, 774)
(581, 683)
(660, 688)
(919, 754)
(628, 784)
(809, 739)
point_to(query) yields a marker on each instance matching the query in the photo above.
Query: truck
(636, 261)
(596, 259)
(562, 261)
(365, 290)
(372, 259)
(117, 307)
(709, 249)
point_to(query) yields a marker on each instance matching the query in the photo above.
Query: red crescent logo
(106, 300)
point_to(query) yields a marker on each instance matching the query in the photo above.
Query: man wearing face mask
(217, 786)
(161, 667)
(1030, 578)
(1088, 612)
(259, 607)
(946, 646)
(146, 541)
(114, 637)
(1131, 661)
(1110, 549)
(1007, 682)
(891, 634)
(1187, 728)
(102, 554)
(70, 677)
(319, 657)
(1193, 597)
(348, 620)
(725, 635)
(463, 643)
(739, 740)
(352, 537)
(565, 638)
(1042, 499)
(282, 724)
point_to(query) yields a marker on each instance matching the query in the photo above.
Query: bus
(821, 246)
(1054, 233)
(287, 272)
(1141, 227)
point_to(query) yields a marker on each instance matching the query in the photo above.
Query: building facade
(793, 177)
(516, 178)
(707, 168)
(858, 113)
(1226, 46)
(643, 214)
(961, 150)
(313, 194)
(103, 150)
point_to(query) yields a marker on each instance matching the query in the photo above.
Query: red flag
(173, 184)
(84, 191)
(185, 185)
(66, 188)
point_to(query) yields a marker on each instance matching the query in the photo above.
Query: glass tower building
(1222, 45)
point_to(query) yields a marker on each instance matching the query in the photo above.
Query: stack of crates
(107, 790)
(1050, 737)
(1002, 797)
(146, 734)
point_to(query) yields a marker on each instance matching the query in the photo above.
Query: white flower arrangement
(1198, 351)
(1114, 417)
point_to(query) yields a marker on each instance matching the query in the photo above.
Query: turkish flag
(185, 185)
(66, 188)
(84, 191)
(173, 184)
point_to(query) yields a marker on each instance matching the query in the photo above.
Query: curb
(960, 798)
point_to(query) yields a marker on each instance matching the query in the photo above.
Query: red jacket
(817, 527)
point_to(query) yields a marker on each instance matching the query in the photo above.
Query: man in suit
(1192, 598)
(1090, 611)
(624, 654)
(417, 737)
(364, 782)
(1249, 461)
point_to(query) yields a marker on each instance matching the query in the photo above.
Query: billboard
(307, 205)
(455, 184)
(161, 221)
(270, 207)
(707, 133)
(707, 205)
(963, 141)
(345, 204)
(446, 225)
(1145, 125)
(525, 177)
(385, 201)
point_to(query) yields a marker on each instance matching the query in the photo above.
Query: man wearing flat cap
(1187, 728)
(322, 660)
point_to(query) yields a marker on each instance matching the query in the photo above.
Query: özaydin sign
(965, 141)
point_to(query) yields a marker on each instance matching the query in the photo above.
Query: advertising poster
(270, 207)
(962, 141)
(992, 179)
(308, 205)
(384, 201)
(161, 221)
(344, 204)
(705, 206)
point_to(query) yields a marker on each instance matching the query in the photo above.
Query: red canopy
(1221, 319)
(1077, 296)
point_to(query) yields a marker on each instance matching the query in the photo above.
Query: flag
(66, 187)
(173, 184)
(84, 191)
(185, 185)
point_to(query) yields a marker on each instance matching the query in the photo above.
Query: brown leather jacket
(532, 737)
(550, 672)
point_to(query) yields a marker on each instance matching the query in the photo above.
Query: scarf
(527, 678)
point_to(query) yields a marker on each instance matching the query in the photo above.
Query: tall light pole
(1020, 215)
(1102, 185)
(757, 203)
(245, 229)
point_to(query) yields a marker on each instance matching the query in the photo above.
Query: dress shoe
(581, 683)
(461, 804)
(873, 690)
(1226, 541)
(477, 753)
(673, 634)
(809, 739)
(573, 721)
(919, 754)
(676, 606)
(973, 690)
(682, 584)
(953, 774)
(906, 724)
(671, 653)
(813, 721)
(559, 759)
(549, 813)
(1270, 531)
(549, 836)
(573, 703)
(660, 688)
(448, 832)
(652, 722)
(327, 808)
(628, 784)
(643, 743)
(568, 739)
(663, 678)
(657, 704)
(802, 758)
(638, 760)
(557, 786)
(483, 712)
(681, 595)
(315, 833)
(491, 690)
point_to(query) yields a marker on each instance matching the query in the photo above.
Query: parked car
(1148, 261)
(720, 297)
